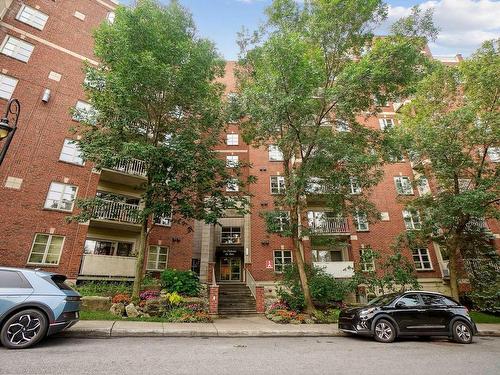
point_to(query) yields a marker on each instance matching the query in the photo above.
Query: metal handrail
(214, 282)
(250, 281)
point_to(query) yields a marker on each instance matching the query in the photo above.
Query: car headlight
(367, 311)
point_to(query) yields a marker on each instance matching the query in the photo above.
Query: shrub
(327, 317)
(104, 288)
(149, 294)
(182, 282)
(121, 298)
(174, 298)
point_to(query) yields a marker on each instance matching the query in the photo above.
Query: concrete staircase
(236, 299)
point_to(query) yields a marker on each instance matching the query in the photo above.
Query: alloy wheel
(25, 329)
(463, 332)
(383, 331)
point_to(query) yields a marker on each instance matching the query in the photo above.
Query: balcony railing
(477, 265)
(134, 167)
(476, 224)
(107, 266)
(329, 225)
(344, 269)
(117, 211)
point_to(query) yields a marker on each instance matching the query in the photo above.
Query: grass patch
(106, 315)
(480, 317)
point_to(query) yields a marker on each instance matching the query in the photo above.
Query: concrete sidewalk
(251, 326)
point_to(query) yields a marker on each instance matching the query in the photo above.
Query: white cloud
(464, 24)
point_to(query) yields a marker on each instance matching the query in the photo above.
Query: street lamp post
(7, 131)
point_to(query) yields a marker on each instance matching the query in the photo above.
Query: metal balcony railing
(134, 167)
(117, 211)
(477, 224)
(328, 225)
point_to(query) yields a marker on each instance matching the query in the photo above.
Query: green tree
(451, 128)
(156, 99)
(307, 80)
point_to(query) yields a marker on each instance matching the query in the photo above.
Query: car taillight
(73, 298)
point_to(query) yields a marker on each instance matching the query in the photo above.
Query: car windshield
(382, 300)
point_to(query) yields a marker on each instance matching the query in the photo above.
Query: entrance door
(230, 269)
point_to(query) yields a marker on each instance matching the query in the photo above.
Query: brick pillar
(211, 266)
(260, 300)
(214, 299)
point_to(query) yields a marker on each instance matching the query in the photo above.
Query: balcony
(341, 270)
(476, 224)
(324, 223)
(116, 215)
(107, 266)
(126, 172)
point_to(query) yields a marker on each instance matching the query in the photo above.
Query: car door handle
(421, 310)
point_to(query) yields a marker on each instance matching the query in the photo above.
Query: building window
(230, 236)
(232, 161)
(71, 153)
(361, 222)
(17, 48)
(111, 17)
(412, 220)
(403, 185)
(109, 248)
(367, 260)
(32, 17)
(84, 112)
(355, 186)
(323, 256)
(494, 154)
(46, 249)
(277, 184)
(61, 197)
(232, 140)
(233, 185)
(342, 126)
(282, 221)
(282, 258)
(423, 186)
(163, 220)
(386, 123)
(422, 259)
(275, 154)
(157, 258)
(7, 86)
(464, 184)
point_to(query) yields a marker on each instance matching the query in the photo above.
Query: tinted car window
(382, 300)
(12, 279)
(437, 300)
(59, 280)
(410, 300)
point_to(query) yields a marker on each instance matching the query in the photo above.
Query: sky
(464, 24)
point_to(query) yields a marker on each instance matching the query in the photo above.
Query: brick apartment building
(44, 46)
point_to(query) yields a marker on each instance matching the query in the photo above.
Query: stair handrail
(214, 282)
(251, 284)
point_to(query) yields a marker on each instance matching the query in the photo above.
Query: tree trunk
(299, 260)
(140, 261)
(452, 264)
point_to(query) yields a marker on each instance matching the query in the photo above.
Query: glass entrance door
(230, 269)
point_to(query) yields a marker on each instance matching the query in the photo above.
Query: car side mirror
(400, 304)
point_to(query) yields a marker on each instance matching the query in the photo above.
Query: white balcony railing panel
(319, 223)
(342, 270)
(134, 167)
(116, 211)
(107, 266)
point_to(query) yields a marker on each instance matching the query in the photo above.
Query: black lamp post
(7, 131)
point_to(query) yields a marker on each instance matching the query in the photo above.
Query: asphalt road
(339, 355)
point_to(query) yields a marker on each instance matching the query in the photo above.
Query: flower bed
(280, 312)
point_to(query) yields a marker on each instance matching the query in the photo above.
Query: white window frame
(114, 245)
(7, 82)
(409, 220)
(46, 250)
(61, 200)
(361, 219)
(282, 257)
(110, 17)
(494, 154)
(156, 259)
(83, 111)
(403, 185)
(18, 48)
(367, 266)
(356, 188)
(163, 221)
(275, 153)
(283, 219)
(419, 261)
(231, 235)
(423, 186)
(232, 139)
(233, 186)
(36, 18)
(232, 161)
(280, 184)
(386, 123)
(74, 156)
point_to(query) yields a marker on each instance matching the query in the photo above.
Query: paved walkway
(251, 326)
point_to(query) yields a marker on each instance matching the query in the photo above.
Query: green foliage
(325, 289)
(381, 276)
(480, 317)
(328, 316)
(103, 288)
(181, 282)
(174, 298)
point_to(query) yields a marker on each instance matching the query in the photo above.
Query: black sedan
(414, 313)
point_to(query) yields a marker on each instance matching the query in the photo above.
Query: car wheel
(384, 331)
(462, 332)
(24, 329)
